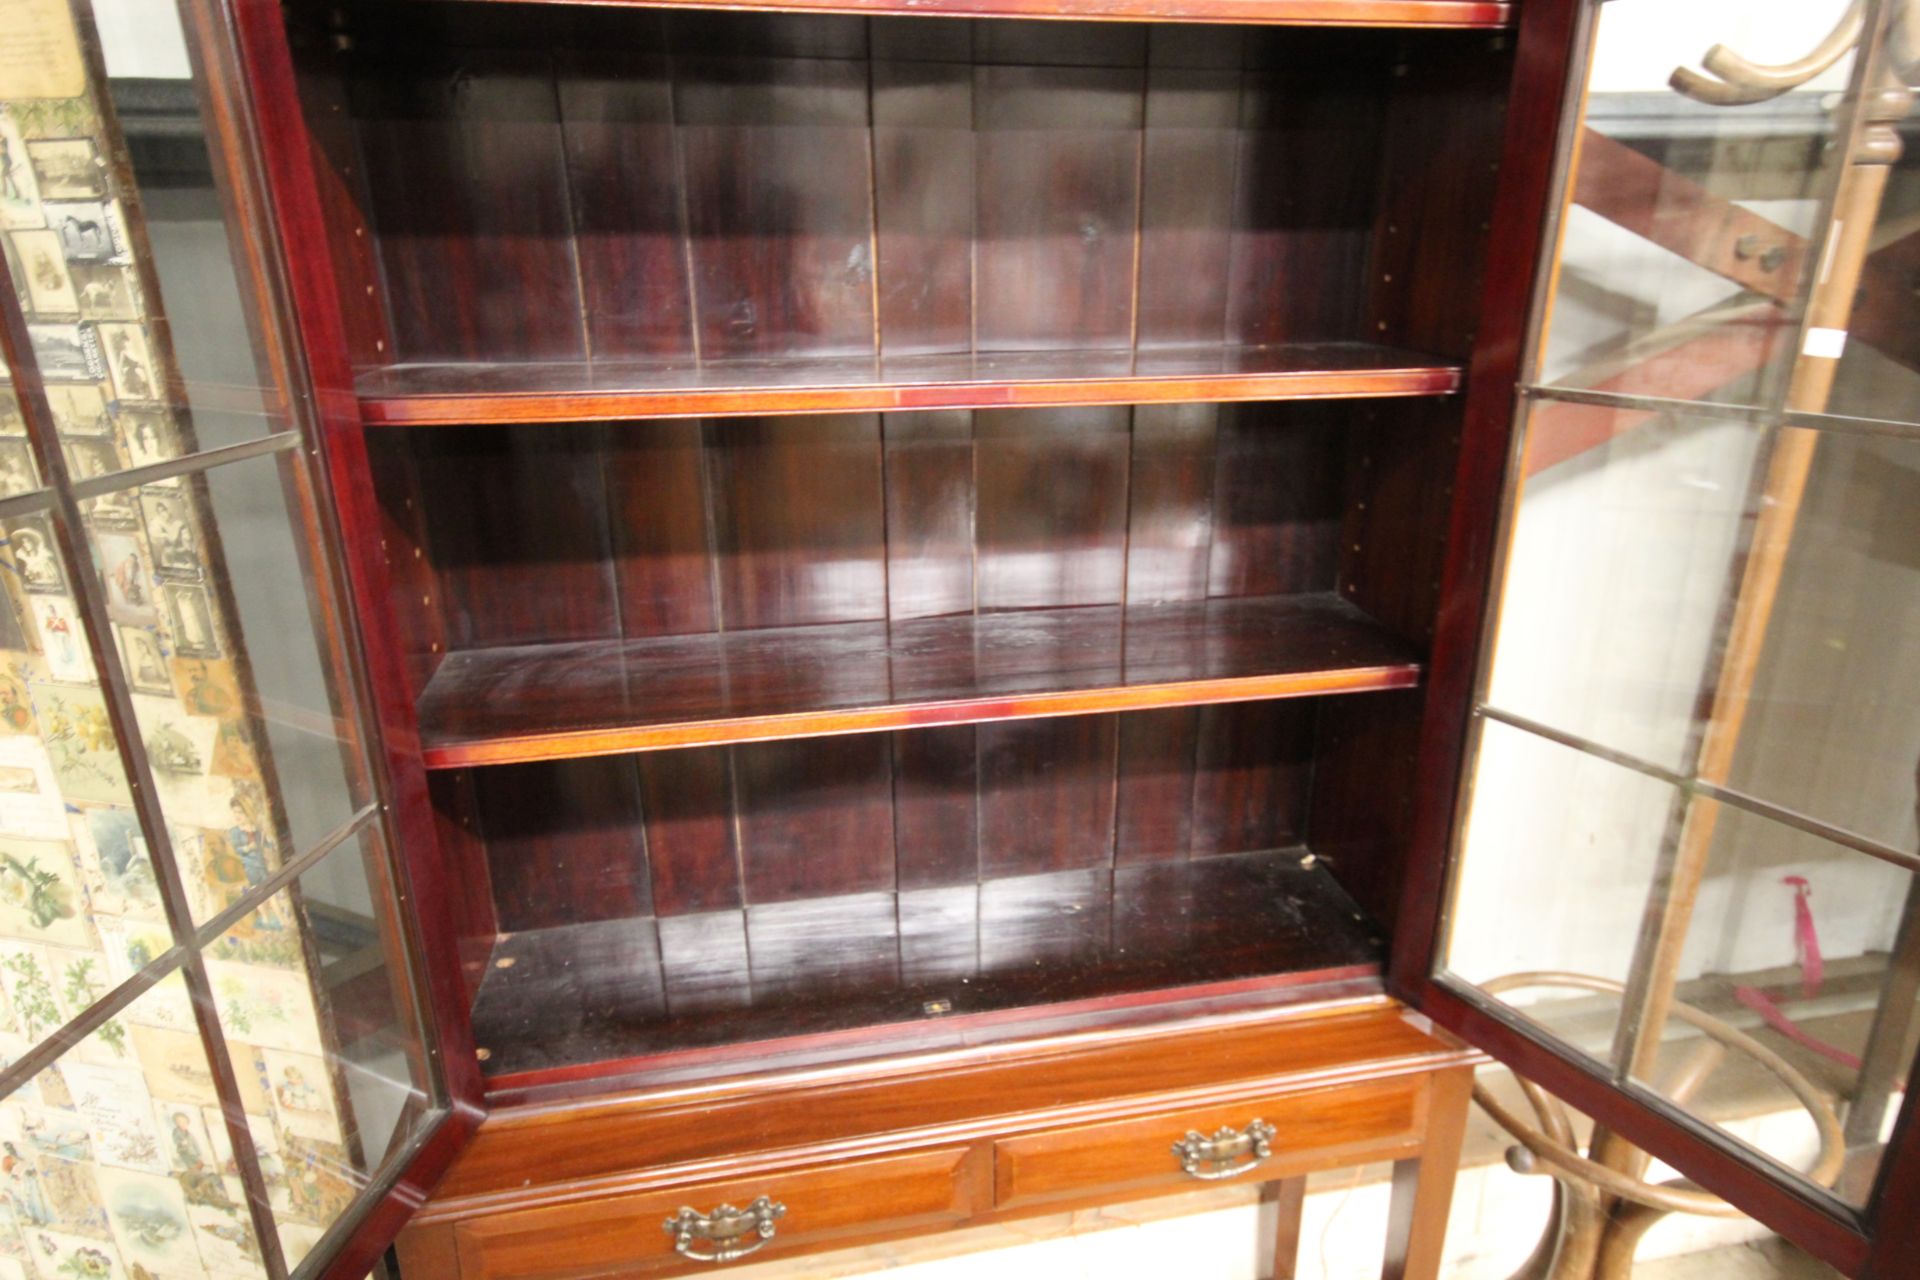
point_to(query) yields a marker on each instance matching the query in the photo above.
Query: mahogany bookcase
(922, 572)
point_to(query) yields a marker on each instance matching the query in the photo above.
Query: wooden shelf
(1328, 13)
(561, 701)
(462, 393)
(559, 998)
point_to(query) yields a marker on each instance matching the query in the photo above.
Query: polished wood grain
(616, 121)
(1378, 13)
(915, 1190)
(562, 700)
(655, 1133)
(459, 394)
(1322, 1127)
(605, 992)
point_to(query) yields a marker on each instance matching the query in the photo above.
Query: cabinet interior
(746, 723)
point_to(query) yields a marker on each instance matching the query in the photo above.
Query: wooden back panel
(738, 186)
(521, 535)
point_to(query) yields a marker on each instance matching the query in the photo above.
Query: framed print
(68, 169)
(49, 286)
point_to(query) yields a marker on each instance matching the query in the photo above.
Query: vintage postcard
(30, 803)
(148, 1214)
(35, 558)
(128, 578)
(18, 474)
(89, 230)
(118, 1112)
(177, 743)
(19, 188)
(79, 738)
(175, 1065)
(129, 362)
(66, 353)
(147, 436)
(80, 410)
(104, 292)
(144, 660)
(50, 288)
(272, 1008)
(170, 532)
(190, 618)
(68, 169)
(27, 977)
(59, 1256)
(90, 459)
(120, 875)
(40, 896)
(302, 1095)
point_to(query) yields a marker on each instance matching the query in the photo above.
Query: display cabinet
(644, 634)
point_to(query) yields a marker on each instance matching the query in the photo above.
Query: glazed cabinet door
(218, 1060)
(1681, 883)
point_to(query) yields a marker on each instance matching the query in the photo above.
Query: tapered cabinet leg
(1423, 1187)
(1287, 1196)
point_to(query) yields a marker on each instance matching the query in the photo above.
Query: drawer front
(1311, 1129)
(625, 1232)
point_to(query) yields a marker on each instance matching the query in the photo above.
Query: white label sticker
(1825, 343)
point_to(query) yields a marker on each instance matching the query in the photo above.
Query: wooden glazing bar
(460, 394)
(544, 702)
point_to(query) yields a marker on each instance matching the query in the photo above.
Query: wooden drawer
(624, 1232)
(1313, 1128)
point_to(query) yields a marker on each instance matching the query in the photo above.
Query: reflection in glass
(116, 1158)
(1630, 544)
(231, 688)
(1688, 246)
(1795, 941)
(321, 1026)
(1558, 855)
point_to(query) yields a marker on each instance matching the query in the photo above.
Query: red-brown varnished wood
(552, 701)
(662, 1134)
(567, 1001)
(1371, 13)
(454, 394)
(823, 1204)
(1323, 1127)
(1423, 1184)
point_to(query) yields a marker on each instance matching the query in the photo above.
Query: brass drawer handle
(1207, 1158)
(733, 1233)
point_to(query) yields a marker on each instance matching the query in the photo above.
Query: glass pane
(116, 1161)
(1796, 942)
(1559, 852)
(1687, 250)
(235, 695)
(1631, 567)
(1625, 535)
(320, 1022)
